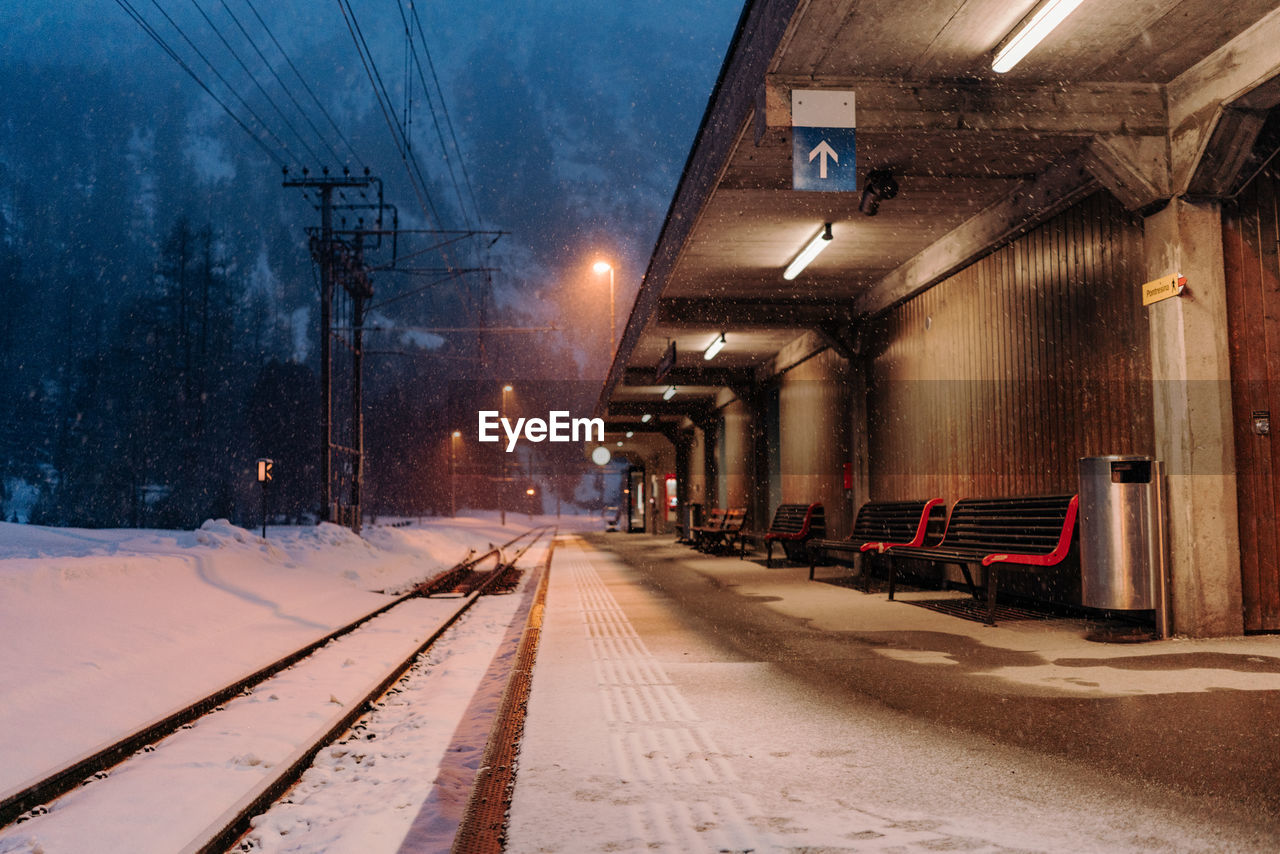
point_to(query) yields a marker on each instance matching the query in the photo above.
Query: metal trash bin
(1122, 536)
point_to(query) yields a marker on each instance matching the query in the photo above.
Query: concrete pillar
(697, 474)
(1192, 399)
(814, 422)
(738, 454)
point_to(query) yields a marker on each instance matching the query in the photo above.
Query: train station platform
(690, 703)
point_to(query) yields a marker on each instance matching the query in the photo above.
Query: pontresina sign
(558, 426)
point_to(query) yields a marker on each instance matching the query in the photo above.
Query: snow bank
(104, 630)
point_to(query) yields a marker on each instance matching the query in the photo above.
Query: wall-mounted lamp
(715, 347)
(880, 186)
(669, 393)
(1031, 32)
(809, 252)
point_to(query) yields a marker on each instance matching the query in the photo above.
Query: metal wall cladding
(1250, 229)
(997, 380)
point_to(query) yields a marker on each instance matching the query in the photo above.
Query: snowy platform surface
(644, 735)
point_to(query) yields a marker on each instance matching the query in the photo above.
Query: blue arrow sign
(824, 151)
(824, 159)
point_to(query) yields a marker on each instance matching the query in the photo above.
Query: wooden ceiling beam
(723, 313)
(1083, 109)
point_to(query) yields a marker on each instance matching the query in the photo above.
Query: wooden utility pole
(325, 249)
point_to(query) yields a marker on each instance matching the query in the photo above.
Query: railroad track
(461, 586)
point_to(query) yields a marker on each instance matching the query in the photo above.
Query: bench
(1033, 531)
(727, 534)
(713, 524)
(880, 524)
(793, 526)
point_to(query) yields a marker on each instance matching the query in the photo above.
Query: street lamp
(453, 473)
(606, 267)
(502, 484)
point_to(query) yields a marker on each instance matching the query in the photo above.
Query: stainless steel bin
(1122, 536)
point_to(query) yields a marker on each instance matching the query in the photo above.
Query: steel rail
(55, 783)
(224, 832)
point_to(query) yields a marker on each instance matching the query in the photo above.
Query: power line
(218, 74)
(462, 163)
(245, 68)
(305, 85)
(384, 103)
(283, 86)
(164, 45)
(411, 49)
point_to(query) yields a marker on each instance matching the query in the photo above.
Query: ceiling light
(644, 419)
(809, 252)
(669, 393)
(1032, 32)
(630, 433)
(715, 347)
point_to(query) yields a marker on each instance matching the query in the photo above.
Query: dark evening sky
(573, 120)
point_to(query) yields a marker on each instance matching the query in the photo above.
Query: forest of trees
(158, 333)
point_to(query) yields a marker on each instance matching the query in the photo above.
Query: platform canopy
(1149, 100)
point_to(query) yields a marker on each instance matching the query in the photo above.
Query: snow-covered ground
(104, 630)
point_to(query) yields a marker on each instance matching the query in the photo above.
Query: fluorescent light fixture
(715, 347)
(669, 393)
(646, 418)
(1032, 32)
(809, 252)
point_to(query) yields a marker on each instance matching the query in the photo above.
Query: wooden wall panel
(998, 379)
(1250, 230)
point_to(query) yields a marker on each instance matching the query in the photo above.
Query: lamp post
(502, 494)
(453, 473)
(606, 267)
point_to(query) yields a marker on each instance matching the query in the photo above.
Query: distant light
(529, 491)
(507, 388)
(630, 433)
(457, 434)
(1032, 32)
(669, 393)
(601, 267)
(716, 346)
(809, 252)
(646, 418)
(601, 456)
(619, 443)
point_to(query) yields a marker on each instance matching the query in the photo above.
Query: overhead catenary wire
(412, 49)
(279, 142)
(444, 107)
(283, 86)
(217, 31)
(305, 85)
(168, 49)
(411, 165)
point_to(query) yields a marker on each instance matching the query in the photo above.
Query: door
(1249, 235)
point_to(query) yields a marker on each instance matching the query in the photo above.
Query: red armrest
(1059, 551)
